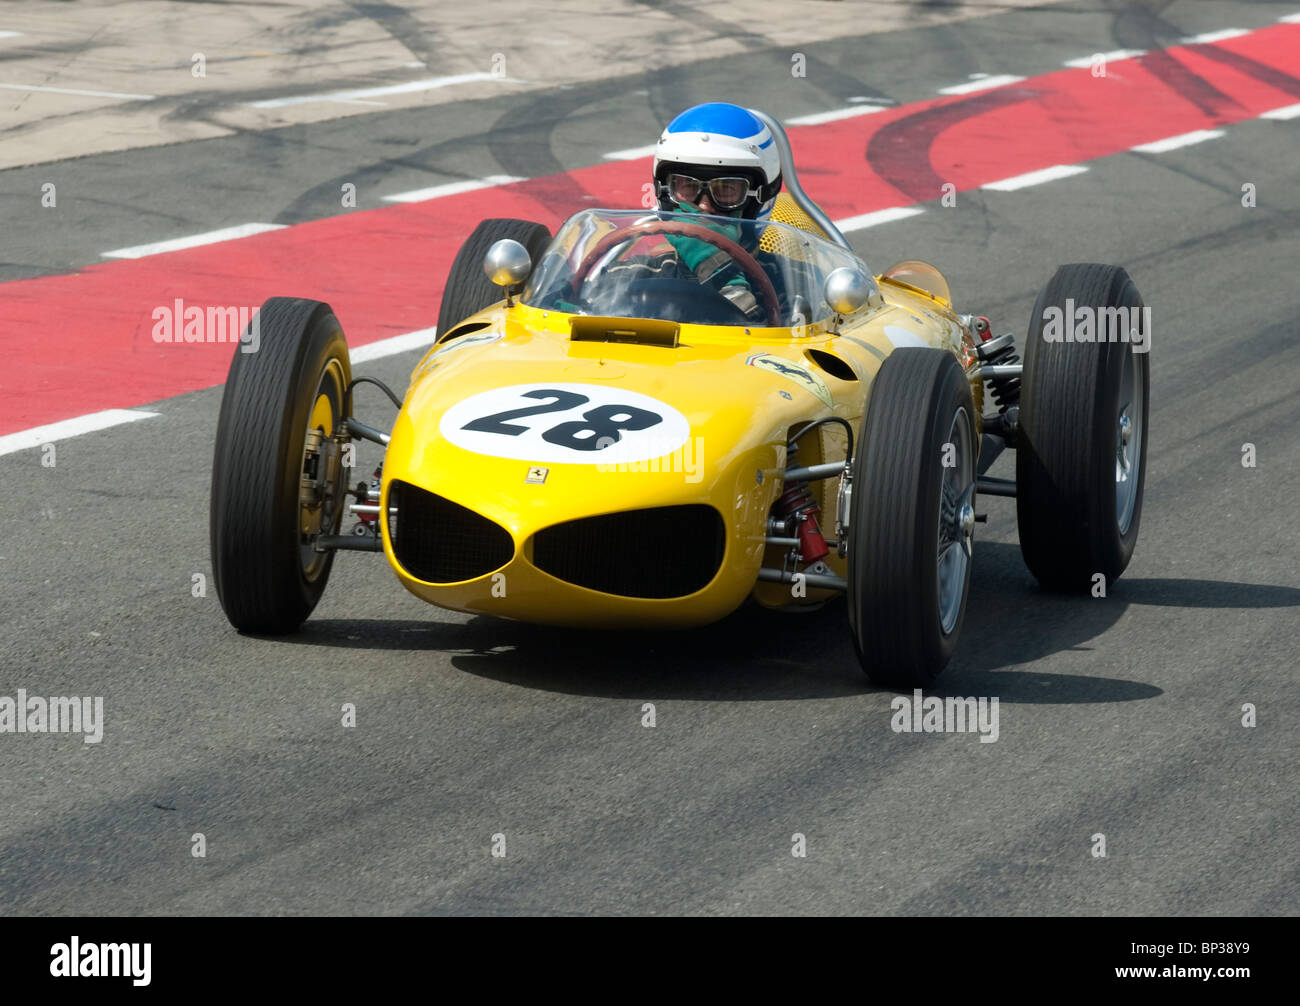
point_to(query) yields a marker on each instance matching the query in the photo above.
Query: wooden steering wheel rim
(747, 263)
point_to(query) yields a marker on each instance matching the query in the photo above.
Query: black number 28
(604, 425)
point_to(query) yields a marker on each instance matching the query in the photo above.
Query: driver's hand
(744, 299)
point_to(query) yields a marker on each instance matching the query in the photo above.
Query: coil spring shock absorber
(1001, 352)
(368, 523)
(796, 505)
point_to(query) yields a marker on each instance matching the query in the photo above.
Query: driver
(717, 159)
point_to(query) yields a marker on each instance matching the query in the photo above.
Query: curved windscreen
(923, 276)
(688, 268)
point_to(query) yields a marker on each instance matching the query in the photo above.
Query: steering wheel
(747, 263)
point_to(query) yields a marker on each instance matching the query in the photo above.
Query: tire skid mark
(1262, 72)
(900, 152)
(1182, 80)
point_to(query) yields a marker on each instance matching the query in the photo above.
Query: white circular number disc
(577, 424)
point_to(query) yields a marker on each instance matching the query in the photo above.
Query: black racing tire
(266, 575)
(1079, 482)
(903, 515)
(468, 289)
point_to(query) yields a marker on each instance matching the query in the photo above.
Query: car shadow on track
(759, 655)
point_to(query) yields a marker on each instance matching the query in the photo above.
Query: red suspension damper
(797, 503)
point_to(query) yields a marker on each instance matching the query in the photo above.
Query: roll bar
(791, 180)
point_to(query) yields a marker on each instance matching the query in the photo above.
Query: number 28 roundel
(590, 424)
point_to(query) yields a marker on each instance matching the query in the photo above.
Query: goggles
(725, 193)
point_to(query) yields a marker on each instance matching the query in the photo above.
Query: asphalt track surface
(1119, 715)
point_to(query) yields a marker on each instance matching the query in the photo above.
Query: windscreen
(688, 268)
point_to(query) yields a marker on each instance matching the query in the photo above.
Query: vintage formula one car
(594, 442)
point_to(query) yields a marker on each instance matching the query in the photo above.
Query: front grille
(439, 541)
(666, 551)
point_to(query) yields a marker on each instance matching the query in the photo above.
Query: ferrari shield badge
(791, 371)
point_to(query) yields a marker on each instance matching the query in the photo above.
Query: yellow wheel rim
(322, 416)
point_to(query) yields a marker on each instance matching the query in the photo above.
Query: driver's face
(706, 205)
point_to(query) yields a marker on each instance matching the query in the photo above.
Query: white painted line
(452, 189)
(1214, 36)
(834, 115)
(194, 241)
(983, 83)
(84, 94)
(1174, 142)
(26, 439)
(1035, 177)
(1290, 19)
(1285, 112)
(1114, 56)
(631, 153)
(393, 346)
(10, 34)
(65, 429)
(878, 217)
(410, 87)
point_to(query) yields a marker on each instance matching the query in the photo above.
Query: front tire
(468, 290)
(277, 477)
(911, 519)
(1081, 455)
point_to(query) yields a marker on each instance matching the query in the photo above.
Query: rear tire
(263, 513)
(1081, 454)
(468, 289)
(911, 518)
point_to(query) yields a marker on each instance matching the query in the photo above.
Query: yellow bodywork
(739, 415)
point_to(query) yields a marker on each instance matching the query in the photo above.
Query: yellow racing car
(595, 440)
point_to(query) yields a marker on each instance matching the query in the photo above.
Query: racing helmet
(713, 141)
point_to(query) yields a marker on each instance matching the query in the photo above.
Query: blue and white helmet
(715, 140)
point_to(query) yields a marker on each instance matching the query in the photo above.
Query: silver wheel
(956, 521)
(1128, 441)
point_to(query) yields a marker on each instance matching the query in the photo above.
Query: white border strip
(1290, 19)
(37, 436)
(1175, 142)
(65, 429)
(982, 84)
(631, 153)
(194, 241)
(865, 220)
(1114, 56)
(452, 189)
(84, 94)
(1035, 177)
(393, 346)
(834, 115)
(1285, 112)
(359, 94)
(1214, 36)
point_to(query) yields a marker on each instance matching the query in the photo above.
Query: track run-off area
(867, 165)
